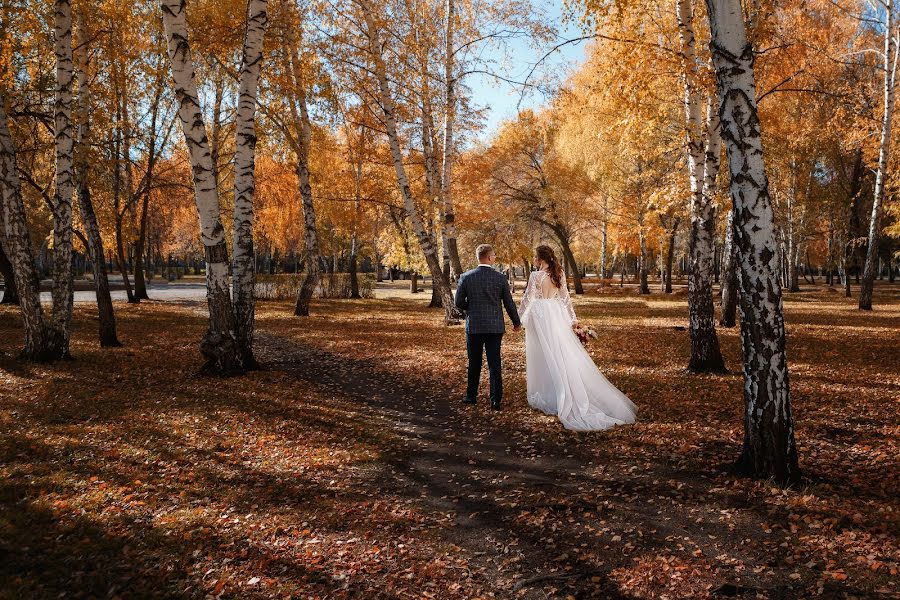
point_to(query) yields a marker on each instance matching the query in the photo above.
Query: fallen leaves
(345, 469)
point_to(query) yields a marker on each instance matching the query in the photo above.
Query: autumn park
(253, 254)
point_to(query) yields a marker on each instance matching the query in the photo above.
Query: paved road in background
(194, 289)
(176, 291)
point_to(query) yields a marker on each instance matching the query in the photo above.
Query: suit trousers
(478, 344)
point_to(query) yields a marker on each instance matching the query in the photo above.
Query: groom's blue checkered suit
(482, 293)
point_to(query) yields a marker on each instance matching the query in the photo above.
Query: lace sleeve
(527, 297)
(566, 299)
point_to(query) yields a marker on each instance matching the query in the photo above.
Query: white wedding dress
(562, 377)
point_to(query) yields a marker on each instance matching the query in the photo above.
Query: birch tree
(17, 242)
(244, 267)
(62, 201)
(703, 160)
(296, 128)
(424, 237)
(449, 221)
(769, 449)
(107, 319)
(890, 56)
(220, 345)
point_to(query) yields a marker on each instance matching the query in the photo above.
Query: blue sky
(501, 98)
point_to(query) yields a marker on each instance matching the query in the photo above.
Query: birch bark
(604, 234)
(769, 449)
(244, 258)
(18, 244)
(426, 241)
(62, 202)
(706, 357)
(884, 153)
(449, 227)
(302, 136)
(218, 345)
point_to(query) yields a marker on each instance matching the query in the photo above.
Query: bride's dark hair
(546, 254)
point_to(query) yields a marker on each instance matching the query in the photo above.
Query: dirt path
(539, 518)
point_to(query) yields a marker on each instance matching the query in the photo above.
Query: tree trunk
(569, 258)
(17, 242)
(845, 269)
(426, 242)
(123, 261)
(108, 336)
(312, 264)
(603, 250)
(414, 283)
(769, 449)
(794, 272)
(670, 256)
(10, 292)
(62, 201)
(433, 184)
(829, 260)
(379, 269)
(449, 226)
(119, 210)
(642, 270)
(884, 153)
(106, 316)
(357, 215)
(218, 345)
(140, 284)
(716, 263)
(706, 356)
(354, 277)
(303, 133)
(244, 258)
(729, 276)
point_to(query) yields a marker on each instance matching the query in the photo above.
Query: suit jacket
(480, 293)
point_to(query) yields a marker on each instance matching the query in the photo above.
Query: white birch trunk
(354, 241)
(218, 346)
(884, 155)
(244, 258)
(706, 357)
(62, 201)
(769, 449)
(604, 234)
(447, 166)
(17, 243)
(302, 136)
(426, 242)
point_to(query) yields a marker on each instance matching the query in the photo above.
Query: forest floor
(349, 468)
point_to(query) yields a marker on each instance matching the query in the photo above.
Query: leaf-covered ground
(349, 468)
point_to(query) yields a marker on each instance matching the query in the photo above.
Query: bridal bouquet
(585, 334)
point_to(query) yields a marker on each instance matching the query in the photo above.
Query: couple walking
(562, 377)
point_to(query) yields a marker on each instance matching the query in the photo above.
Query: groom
(479, 294)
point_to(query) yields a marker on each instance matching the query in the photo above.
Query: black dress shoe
(495, 406)
(468, 401)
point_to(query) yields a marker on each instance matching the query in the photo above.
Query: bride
(562, 377)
